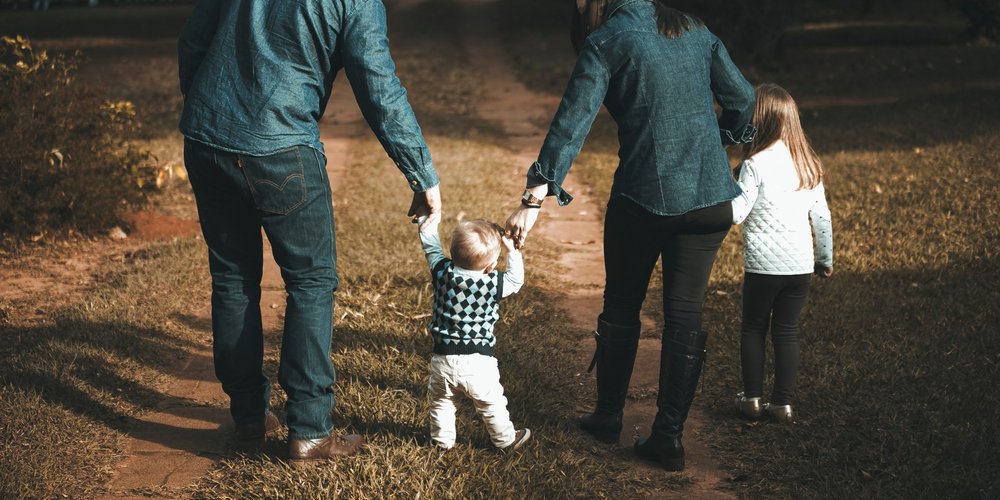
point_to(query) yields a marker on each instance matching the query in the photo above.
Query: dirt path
(577, 230)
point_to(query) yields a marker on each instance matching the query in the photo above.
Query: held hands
(519, 223)
(426, 207)
(508, 244)
(524, 217)
(823, 272)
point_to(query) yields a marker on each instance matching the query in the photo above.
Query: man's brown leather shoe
(258, 430)
(309, 451)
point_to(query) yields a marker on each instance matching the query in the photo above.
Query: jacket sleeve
(513, 276)
(381, 96)
(580, 103)
(196, 36)
(749, 183)
(734, 94)
(431, 243)
(822, 224)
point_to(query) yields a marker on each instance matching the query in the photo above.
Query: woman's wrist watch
(531, 201)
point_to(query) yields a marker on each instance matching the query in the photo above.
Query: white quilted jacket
(775, 213)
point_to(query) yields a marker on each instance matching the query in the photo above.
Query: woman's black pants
(634, 239)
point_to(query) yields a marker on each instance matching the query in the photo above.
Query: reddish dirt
(577, 230)
(153, 226)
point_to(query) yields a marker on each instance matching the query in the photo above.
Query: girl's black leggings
(772, 302)
(634, 239)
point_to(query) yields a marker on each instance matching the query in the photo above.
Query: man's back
(257, 73)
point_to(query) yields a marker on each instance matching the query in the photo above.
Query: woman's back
(661, 91)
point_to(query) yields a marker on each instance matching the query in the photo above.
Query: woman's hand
(823, 272)
(520, 222)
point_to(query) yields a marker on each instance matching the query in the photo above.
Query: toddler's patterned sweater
(466, 302)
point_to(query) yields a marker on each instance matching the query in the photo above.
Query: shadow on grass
(897, 389)
(106, 371)
(935, 118)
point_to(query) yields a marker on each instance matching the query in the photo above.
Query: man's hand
(823, 272)
(427, 203)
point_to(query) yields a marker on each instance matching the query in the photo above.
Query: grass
(96, 359)
(897, 393)
(70, 381)
(381, 348)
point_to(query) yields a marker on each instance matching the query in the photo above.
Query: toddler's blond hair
(475, 244)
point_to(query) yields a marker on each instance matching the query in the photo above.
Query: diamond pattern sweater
(466, 302)
(465, 310)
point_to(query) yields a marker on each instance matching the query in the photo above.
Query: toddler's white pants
(477, 377)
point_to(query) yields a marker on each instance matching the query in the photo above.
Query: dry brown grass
(381, 348)
(71, 380)
(120, 331)
(897, 395)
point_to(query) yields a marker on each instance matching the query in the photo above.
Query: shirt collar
(618, 4)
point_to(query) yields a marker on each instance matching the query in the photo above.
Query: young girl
(782, 182)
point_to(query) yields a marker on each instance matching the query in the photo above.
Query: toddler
(467, 293)
(782, 182)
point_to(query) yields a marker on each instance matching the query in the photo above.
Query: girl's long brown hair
(591, 14)
(776, 117)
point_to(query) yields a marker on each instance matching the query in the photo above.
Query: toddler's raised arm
(431, 242)
(513, 276)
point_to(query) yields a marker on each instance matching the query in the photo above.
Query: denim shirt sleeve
(513, 275)
(196, 36)
(381, 96)
(586, 91)
(735, 95)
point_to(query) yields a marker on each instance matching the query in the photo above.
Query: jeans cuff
(318, 435)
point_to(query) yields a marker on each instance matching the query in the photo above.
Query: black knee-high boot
(614, 358)
(681, 360)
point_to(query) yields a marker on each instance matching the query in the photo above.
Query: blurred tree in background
(66, 160)
(755, 30)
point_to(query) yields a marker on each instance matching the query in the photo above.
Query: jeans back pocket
(277, 181)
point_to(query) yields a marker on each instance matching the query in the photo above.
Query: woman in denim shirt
(658, 72)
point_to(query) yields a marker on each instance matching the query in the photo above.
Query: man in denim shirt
(256, 76)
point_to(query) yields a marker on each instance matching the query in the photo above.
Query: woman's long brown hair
(776, 117)
(591, 14)
(674, 23)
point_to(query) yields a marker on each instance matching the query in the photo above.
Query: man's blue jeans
(288, 195)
